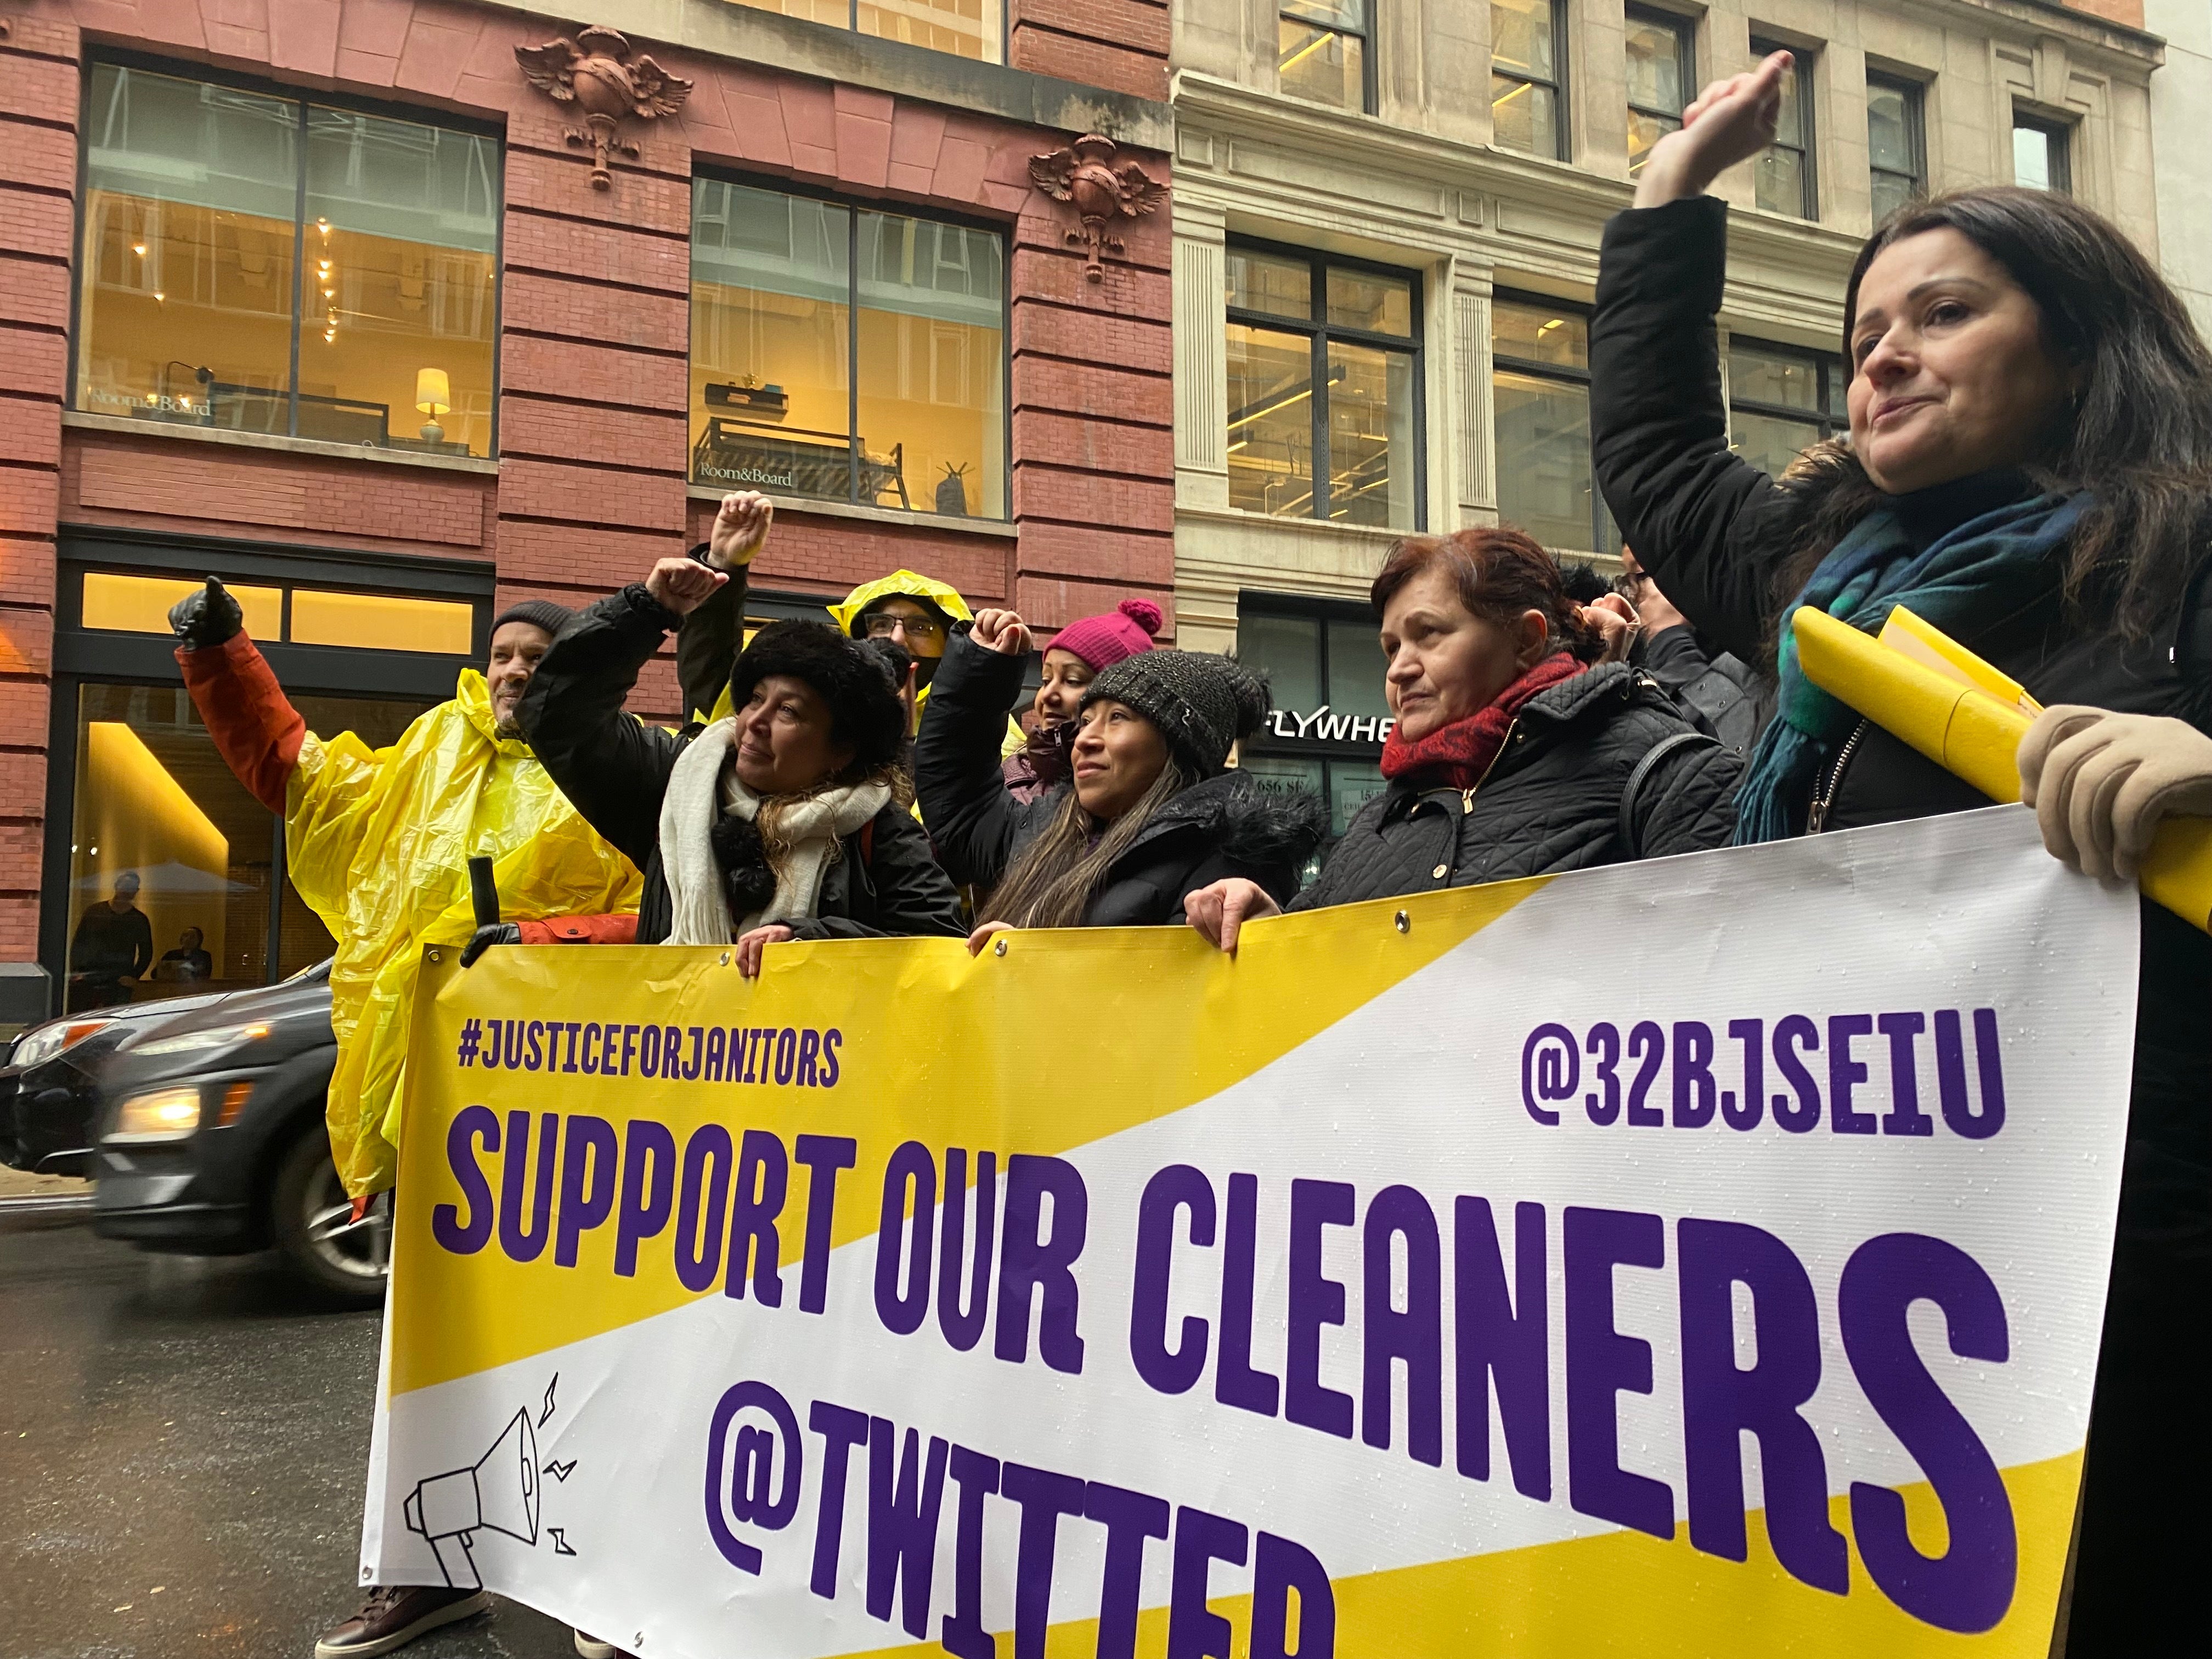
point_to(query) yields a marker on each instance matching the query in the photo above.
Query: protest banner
(1697, 1257)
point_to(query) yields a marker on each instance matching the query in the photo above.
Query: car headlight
(161, 1115)
(38, 1046)
(192, 1043)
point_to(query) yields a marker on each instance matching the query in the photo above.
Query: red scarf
(1457, 755)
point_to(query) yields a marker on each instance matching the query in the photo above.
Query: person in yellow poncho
(918, 612)
(377, 841)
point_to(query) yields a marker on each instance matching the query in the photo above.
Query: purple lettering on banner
(1959, 1115)
(698, 1036)
(607, 1035)
(527, 1244)
(628, 1049)
(534, 1059)
(1200, 1539)
(1129, 1517)
(1281, 1570)
(1031, 1260)
(647, 1197)
(575, 1029)
(810, 1048)
(1696, 1095)
(961, 1633)
(707, 1159)
(842, 1429)
(824, 1156)
(1647, 1041)
(1178, 1187)
(1601, 1363)
(1551, 1069)
(1414, 1335)
(787, 1054)
(1792, 1033)
(1505, 1335)
(717, 1041)
(1969, 1587)
(743, 1490)
(831, 1039)
(591, 1048)
(1044, 1497)
(1905, 1116)
(964, 1326)
(488, 1056)
(649, 1053)
(1721, 1402)
(1846, 1073)
(1316, 1301)
(1752, 1034)
(1234, 1382)
(671, 1052)
(1603, 1106)
(902, 1237)
(763, 1179)
(902, 1511)
(587, 1183)
(470, 1124)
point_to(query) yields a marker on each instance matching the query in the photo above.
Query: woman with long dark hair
(2030, 469)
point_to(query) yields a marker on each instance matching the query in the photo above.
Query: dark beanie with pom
(1201, 703)
(854, 680)
(538, 613)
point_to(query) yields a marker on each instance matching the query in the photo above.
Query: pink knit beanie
(1100, 641)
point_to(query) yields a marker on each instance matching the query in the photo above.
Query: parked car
(47, 1096)
(206, 1136)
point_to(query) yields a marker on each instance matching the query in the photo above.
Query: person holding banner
(1151, 811)
(2030, 471)
(1512, 755)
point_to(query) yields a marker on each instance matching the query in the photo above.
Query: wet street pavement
(182, 1449)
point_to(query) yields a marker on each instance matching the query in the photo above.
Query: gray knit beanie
(1201, 703)
(547, 614)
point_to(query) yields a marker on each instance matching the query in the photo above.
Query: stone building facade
(323, 297)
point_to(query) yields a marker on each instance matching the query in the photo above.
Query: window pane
(1892, 190)
(1790, 120)
(381, 621)
(1523, 117)
(1370, 435)
(1359, 299)
(1355, 669)
(1769, 442)
(1544, 461)
(966, 28)
(770, 322)
(157, 808)
(837, 14)
(1889, 128)
(2032, 149)
(1781, 174)
(191, 191)
(933, 366)
(140, 604)
(1321, 64)
(1521, 38)
(1351, 785)
(1270, 422)
(1288, 650)
(1537, 334)
(1644, 131)
(399, 295)
(1350, 15)
(1655, 67)
(1773, 377)
(1261, 281)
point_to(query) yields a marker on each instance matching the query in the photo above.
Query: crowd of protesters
(2029, 468)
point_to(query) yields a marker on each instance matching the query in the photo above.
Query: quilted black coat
(1551, 800)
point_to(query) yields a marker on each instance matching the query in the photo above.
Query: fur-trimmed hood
(1239, 818)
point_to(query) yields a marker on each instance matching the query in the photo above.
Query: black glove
(207, 617)
(496, 933)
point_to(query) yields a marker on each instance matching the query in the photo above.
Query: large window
(966, 28)
(1324, 388)
(1896, 144)
(1324, 665)
(1781, 401)
(1785, 169)
(2040, 153)
(1662, 79)
(1539, 354)
(260, 264)
(1322, 52)
(845, 353)
(1527, 71)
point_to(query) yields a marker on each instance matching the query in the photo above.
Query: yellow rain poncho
(378, 844)
(915, 585)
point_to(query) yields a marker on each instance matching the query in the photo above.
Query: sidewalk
(21, 1183)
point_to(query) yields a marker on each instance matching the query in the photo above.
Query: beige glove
(2102, 781)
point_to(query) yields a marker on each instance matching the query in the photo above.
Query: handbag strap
(1625, 824)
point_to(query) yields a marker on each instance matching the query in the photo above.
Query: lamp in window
(434, 396)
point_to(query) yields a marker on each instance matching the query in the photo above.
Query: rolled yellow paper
(1970, 733)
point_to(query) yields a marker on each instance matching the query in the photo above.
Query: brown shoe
(395, 1614)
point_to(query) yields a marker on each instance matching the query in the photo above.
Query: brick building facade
(579, 453)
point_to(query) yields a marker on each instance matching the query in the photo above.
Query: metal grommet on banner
(999, 949)
(726, 958)
(433, 954)
(1402, 922)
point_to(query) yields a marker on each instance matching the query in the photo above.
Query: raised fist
(207, 617)
(1002, 631)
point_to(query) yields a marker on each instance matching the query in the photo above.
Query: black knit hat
(538, 613)
(1201, 703)
(854, 680)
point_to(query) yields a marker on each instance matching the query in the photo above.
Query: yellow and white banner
(1688, 1258)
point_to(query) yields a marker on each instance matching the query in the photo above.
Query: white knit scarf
(703, 785)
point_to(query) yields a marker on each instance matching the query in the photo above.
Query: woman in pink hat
(1072, 661)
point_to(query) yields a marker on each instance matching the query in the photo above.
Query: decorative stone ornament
(598, 73)
(1102, 189)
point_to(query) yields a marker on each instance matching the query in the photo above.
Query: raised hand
(683, 585)
(1002, 631)
(1731, 121)
(741, 528)
(207, 617)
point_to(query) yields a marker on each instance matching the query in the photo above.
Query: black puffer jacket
(1551, 800)
(614, 768)
(1230, 825)
(1716, 533)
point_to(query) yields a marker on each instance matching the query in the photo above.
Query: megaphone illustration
(499, 1491)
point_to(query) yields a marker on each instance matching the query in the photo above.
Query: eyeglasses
(883, 624)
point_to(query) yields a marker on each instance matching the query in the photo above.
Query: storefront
(1330, 719)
